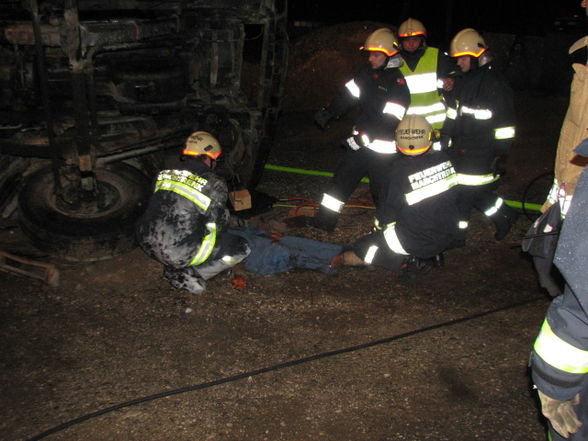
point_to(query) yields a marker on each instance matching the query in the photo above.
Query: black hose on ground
(526, 192)
(276, 367)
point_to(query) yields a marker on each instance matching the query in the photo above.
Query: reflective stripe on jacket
(559, 353)
(207, 245)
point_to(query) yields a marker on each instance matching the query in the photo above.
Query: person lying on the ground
(273, 253)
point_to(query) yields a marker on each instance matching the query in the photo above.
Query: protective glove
(561, 414)
(498, 165)
(322, 118)
(443, 139)
(357, 141)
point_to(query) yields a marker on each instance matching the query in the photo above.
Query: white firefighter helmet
(411, 27)
(414, 135)
(202, 143)
(381, 40)
(467, 42)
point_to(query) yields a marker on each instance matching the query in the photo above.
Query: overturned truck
(96, 94)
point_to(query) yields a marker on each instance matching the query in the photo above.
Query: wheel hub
(80, 203)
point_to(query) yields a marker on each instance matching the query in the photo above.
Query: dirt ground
(113, 352)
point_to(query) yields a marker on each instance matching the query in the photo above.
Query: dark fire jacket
(184, 215)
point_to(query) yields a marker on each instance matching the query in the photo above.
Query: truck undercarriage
(95, 95)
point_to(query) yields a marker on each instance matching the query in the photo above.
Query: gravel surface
(114, 352)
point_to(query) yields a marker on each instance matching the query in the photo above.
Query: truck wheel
(96, 232)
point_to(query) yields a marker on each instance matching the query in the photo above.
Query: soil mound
(321, 61)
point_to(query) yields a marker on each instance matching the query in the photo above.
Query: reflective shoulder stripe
(207, 245)
(394, 109)
(331, 203)
(504, 132)
(477, 179)
(185, 184)
(353, 88)
(559, 353)
(392, 240)
(183, 190)
(382, 146)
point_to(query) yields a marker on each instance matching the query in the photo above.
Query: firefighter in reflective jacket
(559, 360)
(480, 124)
(383, 96)
(184, 224)
(426, 71)
(418, 218)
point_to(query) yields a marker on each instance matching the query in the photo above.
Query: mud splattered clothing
(184, 226)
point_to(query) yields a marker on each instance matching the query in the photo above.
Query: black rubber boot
(503, 220)
(185, 278)
(414, 268)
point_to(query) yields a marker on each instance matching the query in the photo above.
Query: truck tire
(76, 236)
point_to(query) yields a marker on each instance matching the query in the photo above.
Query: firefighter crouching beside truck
(184, 225)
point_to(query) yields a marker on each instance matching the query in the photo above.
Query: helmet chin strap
(209, 161)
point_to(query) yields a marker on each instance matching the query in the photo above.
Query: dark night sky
(446, 17)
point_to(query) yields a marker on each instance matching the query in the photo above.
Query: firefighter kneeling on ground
(184, 225)
(418, 218)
